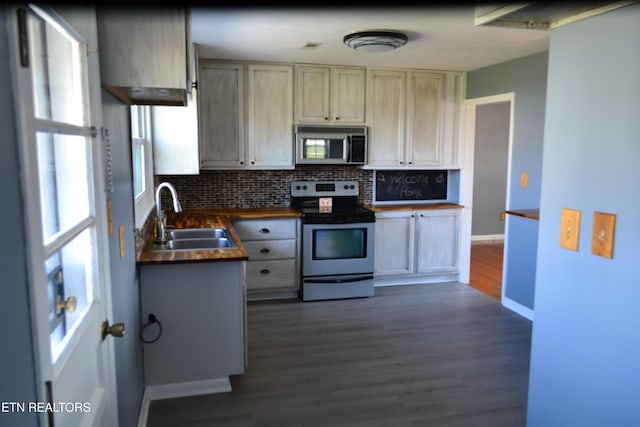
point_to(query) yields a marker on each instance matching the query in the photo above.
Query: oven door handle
(350, 279)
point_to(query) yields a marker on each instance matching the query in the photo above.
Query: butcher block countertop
(525, 213)
(209, 218)
(413, 207)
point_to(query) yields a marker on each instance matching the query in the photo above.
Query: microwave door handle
(348, 147)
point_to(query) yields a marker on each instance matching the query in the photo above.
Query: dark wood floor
(486, 267)
(423, 355)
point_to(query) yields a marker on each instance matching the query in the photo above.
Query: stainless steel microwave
(331, 145)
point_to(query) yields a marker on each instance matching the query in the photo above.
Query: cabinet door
(144, 54)
(386, 115)
(270, 116)
(312, 94)
(347, 95)
(394, 243)
(175, 139)
(438, 240)
(424, 119)
(220, 115)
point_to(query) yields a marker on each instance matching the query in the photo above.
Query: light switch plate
(569, 229)
(604, 226)
(524, 179)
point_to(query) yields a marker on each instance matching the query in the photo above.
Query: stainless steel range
(338, 240)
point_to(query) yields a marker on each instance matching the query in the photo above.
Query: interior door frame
(466, 187)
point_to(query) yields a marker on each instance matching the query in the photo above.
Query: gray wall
(527, 78)
(124, 284)
(490, 168)
(585, 357)
(17, 373)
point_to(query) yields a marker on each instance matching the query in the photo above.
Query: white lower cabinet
(417, 246)
(201, 307)
(273, 246)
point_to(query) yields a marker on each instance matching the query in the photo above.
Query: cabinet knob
(264, 271)
(337, 118)
(265, 230)
(241, 162)
(264, 251)
(326, 118)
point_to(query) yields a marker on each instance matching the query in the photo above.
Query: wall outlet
(524, 179)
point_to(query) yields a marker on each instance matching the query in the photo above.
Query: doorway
(489, 126)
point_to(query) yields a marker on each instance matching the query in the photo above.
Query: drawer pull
(264, 271)
(265, 230)
(264, 251)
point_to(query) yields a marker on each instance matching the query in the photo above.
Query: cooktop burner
(329, 202)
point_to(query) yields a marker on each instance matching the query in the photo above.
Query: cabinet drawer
(270, 249)
(271, 274)
(266, 229)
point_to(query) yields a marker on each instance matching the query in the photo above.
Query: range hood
(540, 16)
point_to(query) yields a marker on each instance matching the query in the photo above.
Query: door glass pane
(57, 66)
(64, 181)
(71, 273)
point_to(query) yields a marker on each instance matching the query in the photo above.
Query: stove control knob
(297, 187)
(304, 187)
(346, 187)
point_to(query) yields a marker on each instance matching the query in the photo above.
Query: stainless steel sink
(195, 244)
(193, 239)
(196, 233)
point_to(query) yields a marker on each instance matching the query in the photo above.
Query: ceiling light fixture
(375, 41)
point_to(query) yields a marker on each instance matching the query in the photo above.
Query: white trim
(466, 174)
(168, 391)
(517, 308)
(414, 279)
(190, 388)
(493, 237)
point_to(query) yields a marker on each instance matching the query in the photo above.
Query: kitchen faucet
(159, 214)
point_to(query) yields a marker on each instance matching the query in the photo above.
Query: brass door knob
(69, 305)
(116, 330)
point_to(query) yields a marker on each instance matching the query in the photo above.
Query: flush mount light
(375, 41)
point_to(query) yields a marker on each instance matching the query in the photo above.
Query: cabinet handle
(337, 118)
(264, 251)
(264, 271)
(326, 118)
(265, 230)
(241, 162)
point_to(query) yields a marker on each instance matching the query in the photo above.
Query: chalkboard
(410, 185)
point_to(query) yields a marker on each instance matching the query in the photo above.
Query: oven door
(335, 249)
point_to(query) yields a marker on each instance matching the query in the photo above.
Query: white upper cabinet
(246, 115)
(413, 118)
(175, 138)
(221, 117)
(386, 92)
(270, 116)
(144, 54)
(329, 94)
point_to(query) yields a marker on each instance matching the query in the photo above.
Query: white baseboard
(487, 237)
(517, 308)
(169, 391)
(414, 279)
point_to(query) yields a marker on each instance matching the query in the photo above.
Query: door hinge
(49, 397)
(23, 38)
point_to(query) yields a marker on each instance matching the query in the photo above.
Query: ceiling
(440, 38)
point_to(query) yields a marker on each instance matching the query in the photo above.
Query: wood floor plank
(421, 355)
